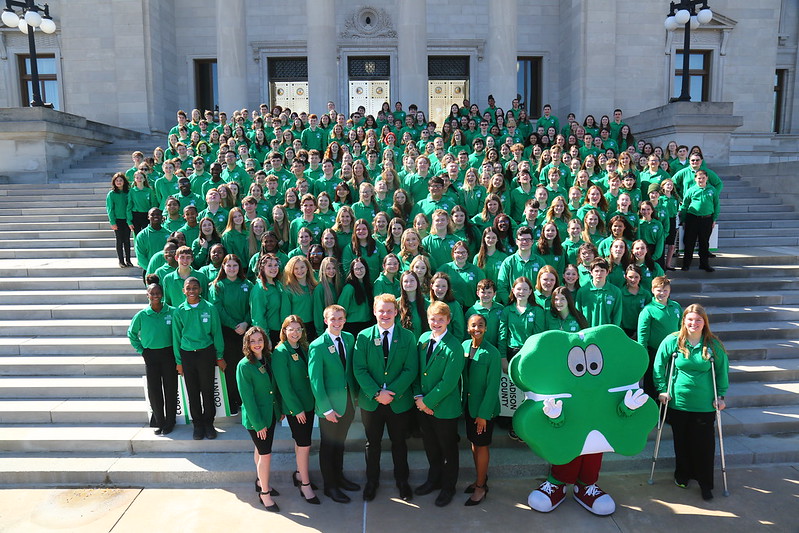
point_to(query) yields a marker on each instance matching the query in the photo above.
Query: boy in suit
(333, 386)
(385, 365)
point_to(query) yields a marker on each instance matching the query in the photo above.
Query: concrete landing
(761, 499)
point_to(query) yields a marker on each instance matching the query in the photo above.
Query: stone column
(501, 53)
(231, 54)
(322, 56)
(411, 55)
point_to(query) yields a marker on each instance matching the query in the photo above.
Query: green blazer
(481, 381)
(291, 376)
(330, 381)
(260, 406)
(440, 379)
(372, 372)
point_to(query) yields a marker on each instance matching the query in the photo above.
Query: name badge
(205, 320)
(245, 288)
(378, 342)
(168, 322)
(331, 349)
(262, 369)
(295, 357)
(531, 318)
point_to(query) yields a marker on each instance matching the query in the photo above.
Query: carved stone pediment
(368, 23)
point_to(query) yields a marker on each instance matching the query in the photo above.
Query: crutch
(718, 423)
(661, 421)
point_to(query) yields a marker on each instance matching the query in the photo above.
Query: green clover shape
(590, 372)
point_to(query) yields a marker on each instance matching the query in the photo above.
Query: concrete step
(70, 283)
(57, 235)
(726, 271)
(79, 201)
(65, 267)
(76, 242)
(58, 193)
(760, 394)
(47, 253)
(772, 370)
(110, 296)
(14, 387)
(77, 327)
(34, 224)
(55, 219)
(80, 412)
(764, 203)
(760, 330)
(753, 241)
(760, 420)
(761, 349)
(57, 365)
(66, 311)
(757, 220)
(735, 233)
(67, 345)
(707, 282)
(737, 298)
(752, 314)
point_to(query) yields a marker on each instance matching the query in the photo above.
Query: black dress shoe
(158, 431)
(166, 430)
(271, 508)
(295, 478)
(471, 502)
(210, 432)
(470, 488)
(444, 497)
(426, 488)
(369, 491)
(336, 495)
(707, 495)
(405, 492)
(346, 484)
(199, 433)
(272, 492)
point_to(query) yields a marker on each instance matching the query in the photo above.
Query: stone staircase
(72, 407)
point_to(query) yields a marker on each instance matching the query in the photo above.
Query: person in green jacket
(487, 307)
(266, 296)
(230, 294)
(298, 286)
(412, 304)
(260, 410)
(388, 280)
(151, 239)
(141, 198)
(236, 237)
(290, 366)
(658, 319)
(330, 369)
(356, 297)
(385, 365)
(598, 300)
(150, 334)
(174, 281)
(520, 319)
(327, 292)
(441, 290)
(698, 214)
(437, 395)
(481, 376)
(697, 356)
(463, 275)
(116, 207)
(633, 300)
(198, 345)
(563, 315)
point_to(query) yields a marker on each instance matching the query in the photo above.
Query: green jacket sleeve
(133, 332)
(488, 404)
(450, 379)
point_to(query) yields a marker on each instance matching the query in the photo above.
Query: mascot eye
(576, 361)
(594, 359)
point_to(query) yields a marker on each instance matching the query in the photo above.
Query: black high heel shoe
(312, 501)
(272, 492)
(271, 508)
(295, 478)
(470, 489)
(470, 502)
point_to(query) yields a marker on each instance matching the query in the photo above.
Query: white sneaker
(594, 499)
(546, 497)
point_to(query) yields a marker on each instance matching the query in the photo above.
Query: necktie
(301, 354)
(340, 347)
(430, 348)
(385, 346)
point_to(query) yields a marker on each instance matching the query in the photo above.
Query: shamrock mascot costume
(581, 399)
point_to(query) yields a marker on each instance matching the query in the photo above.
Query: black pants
(694, 446)
(198, 371)
(440, 438)
(398, 423)
(162, 385)
(697, 228)
(140, 221)
(233, 354)
(122, 235)
(331, 446)
(648, 382)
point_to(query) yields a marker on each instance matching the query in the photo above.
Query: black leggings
(162, 385)
(139, 221)
(122, 234)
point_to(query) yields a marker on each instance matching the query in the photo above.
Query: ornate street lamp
(685, 13)
(32, 17)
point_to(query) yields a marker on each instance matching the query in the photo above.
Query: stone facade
(131, 62)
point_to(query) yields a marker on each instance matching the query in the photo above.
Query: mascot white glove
(634, 400)
(553, 408)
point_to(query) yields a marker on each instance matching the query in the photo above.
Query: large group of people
(390, 264)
